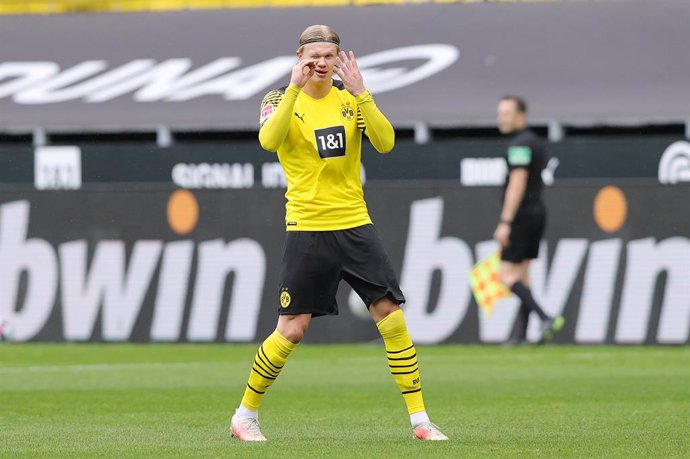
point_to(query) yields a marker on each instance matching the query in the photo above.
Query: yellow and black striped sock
(268, 362)
(402, 359)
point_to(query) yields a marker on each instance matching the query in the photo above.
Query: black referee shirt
(527, 151)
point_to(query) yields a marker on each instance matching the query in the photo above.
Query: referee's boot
(550, 327)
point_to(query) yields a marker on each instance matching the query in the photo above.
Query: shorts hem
(517, 258)
(312, 313)
(390, 295)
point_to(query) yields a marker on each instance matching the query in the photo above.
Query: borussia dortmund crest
(347, 112)
(285, 299)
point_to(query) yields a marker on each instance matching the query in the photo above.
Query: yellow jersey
(319, 145)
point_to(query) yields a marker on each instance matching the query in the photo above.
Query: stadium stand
(75, 6)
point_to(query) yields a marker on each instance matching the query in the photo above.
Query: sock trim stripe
(398, 352)
(261, 374)
(258, 392)
(267, 359)
(403, 366)
(270, 372)
(404, 358)
(411, 391)
(404, 372)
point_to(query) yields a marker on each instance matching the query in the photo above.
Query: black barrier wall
(202, 265)
(241, 165)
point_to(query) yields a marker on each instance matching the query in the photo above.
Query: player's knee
(293, 330)
(382, 308)
(294, 335)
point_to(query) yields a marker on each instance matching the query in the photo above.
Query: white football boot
(246, 429)
(428, 431)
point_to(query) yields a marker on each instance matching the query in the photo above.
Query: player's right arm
(277, 108)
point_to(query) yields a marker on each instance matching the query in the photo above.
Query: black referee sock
(521, 322)
(525, 294)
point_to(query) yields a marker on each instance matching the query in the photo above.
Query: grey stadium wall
(575, 62)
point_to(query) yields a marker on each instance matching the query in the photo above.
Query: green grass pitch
(123, 400)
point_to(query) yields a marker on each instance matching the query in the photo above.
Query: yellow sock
(402, 360)
(268, 362)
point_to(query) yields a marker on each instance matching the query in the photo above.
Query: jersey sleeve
(269, 105)
(276, 111)
(374, 123)
(519, 155)
(360, 121)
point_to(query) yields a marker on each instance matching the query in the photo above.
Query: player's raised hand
(302, 72)
(348, 71)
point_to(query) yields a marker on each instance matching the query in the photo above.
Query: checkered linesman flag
(486, 285)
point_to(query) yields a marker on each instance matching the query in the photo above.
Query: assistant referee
(315, 125)
(523, 214)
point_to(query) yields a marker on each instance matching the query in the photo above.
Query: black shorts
(314, 262)
(525, 235)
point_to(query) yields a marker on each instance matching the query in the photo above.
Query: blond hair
(318, 33)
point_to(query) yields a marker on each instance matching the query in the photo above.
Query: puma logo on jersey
(300, 117)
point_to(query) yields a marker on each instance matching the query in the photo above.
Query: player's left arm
(375, 124)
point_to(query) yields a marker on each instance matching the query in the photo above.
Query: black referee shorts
(525, 235)
(314, 262)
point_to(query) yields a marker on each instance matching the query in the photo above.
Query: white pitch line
(105, 367)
